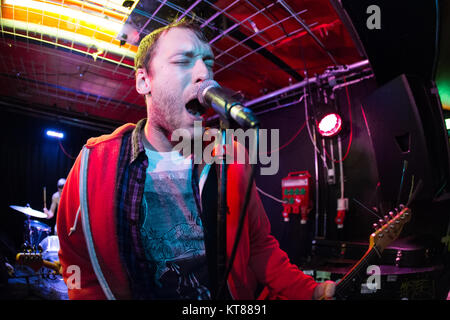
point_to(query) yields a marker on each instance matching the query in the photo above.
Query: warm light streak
(67, 35)
(70, 13)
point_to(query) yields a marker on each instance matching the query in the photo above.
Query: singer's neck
(157, 137)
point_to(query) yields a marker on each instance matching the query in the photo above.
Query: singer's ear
(143, 85)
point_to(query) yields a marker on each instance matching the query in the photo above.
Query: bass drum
(52, 286)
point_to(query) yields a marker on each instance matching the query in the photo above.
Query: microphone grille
(203, 86)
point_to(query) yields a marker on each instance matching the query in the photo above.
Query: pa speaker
(409, 139)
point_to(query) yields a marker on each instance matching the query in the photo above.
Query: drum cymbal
(30, 212)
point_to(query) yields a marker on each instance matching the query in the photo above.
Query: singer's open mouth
(195, 108)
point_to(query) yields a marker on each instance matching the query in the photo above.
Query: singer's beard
(166, 111)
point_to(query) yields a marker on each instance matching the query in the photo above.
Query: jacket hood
(117, 133)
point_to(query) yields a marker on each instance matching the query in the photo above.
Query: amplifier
(396, 283)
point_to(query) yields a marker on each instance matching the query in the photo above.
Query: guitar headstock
(389, 229)
(32, 259)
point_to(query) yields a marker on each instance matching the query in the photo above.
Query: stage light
(69, 13)
(329, 124)
(64, 34)
(447, 123)
(55, 134)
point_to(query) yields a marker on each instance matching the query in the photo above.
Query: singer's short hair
(149, 43)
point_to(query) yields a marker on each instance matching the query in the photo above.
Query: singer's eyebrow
(192, 54)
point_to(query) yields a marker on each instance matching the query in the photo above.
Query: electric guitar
(379, 240)
(387, 232)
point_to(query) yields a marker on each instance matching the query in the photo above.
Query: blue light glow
(55, 134)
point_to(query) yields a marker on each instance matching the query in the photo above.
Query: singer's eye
(182, 62)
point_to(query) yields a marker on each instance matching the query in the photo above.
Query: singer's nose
(201, 71)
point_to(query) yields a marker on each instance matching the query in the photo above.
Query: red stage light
(329, 125)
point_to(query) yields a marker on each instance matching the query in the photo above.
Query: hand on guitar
(324, 291)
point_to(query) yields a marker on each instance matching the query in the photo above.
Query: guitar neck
(356, 274)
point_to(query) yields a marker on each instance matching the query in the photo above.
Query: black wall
(30, 161)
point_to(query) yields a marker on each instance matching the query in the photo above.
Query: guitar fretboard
(357, 274)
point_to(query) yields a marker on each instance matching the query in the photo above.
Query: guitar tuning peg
(391, 214)
(375, 209)
(386, 218)
(27, 248)
(401, 206)
(375, 226)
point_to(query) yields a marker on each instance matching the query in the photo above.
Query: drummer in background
(55, 201)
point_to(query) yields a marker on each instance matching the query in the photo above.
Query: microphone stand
(222, 210)
(228, 109)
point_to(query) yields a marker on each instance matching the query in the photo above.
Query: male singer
(137, 217)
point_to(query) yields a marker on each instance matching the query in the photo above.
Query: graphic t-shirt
(171, 228)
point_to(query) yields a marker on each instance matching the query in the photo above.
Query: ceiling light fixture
(100, 21)
(67, 35)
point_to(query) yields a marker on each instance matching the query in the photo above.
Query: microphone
(211, 94)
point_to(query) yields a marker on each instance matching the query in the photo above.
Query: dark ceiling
(260, 46)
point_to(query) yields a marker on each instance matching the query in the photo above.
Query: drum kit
(39, 240)
(35, 231)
